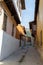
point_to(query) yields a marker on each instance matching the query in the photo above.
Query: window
(13, 30)
(5, 22)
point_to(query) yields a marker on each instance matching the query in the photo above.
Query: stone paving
(24, 56)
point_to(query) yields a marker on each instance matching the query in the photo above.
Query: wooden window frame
(4, 22)
(13, 30)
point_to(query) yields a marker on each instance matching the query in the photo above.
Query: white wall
(1, 35)
(8, 45)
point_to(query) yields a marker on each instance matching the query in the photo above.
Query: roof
(23, 4)
(36, 12)
(12, 9)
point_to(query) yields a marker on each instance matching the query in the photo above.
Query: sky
(28, 13)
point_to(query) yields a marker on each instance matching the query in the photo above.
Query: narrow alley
(23, 57)
(21, 32)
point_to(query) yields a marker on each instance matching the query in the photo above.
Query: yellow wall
(40, 28)
(19, 30)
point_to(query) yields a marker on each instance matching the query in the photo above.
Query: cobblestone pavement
(24, 56)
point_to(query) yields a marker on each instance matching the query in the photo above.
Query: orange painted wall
(19, 30)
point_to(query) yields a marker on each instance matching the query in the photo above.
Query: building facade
(38, 36)
(10, 17)
(20, 30)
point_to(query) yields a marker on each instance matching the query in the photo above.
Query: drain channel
(21, 60)
(23, 56)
